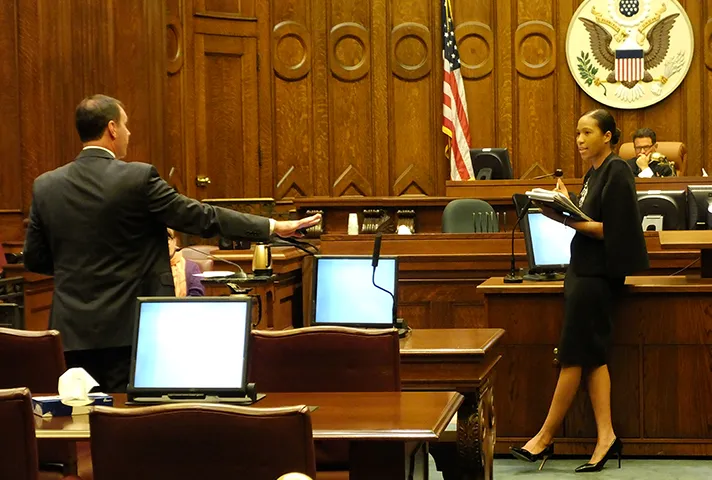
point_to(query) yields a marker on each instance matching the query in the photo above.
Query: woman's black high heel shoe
(528, 456)
(615, 448)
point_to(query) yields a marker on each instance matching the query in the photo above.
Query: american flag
(456, 125)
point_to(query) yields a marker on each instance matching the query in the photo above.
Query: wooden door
(227, 157)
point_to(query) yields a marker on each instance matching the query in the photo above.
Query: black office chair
(469, 215)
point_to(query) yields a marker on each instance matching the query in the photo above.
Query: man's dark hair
(645, 133)
(93, 115)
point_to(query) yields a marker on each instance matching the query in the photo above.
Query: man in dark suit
(646, 144)
(98, 224)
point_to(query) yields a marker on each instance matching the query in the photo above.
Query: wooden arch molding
(301, 34)
(174, 60)
(708, 44)
(476, 29)
(532, 29)
(359, 33)
(421, 33)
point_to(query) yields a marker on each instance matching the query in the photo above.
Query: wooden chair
(325, 359)
(36, 360)
(674, 151)
(189, 442)
(18, 447)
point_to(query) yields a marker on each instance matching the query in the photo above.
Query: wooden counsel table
(378, 425)
(463, 360)
(660, 365)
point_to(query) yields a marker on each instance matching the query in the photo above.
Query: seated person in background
(184, 271)
(644, 164)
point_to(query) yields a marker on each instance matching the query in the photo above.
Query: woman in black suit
(603, 252)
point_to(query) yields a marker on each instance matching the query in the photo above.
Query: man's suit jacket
(99, 226)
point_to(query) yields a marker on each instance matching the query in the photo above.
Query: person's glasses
(643, 147)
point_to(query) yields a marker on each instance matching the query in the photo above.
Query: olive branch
(588, 72)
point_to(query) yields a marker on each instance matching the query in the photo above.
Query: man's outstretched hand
(289, 228)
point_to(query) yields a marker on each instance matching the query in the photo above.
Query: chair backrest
(459, 216)
(18, 447)
(200, 441)
(31, 359)
(674, 151)
(325, 359)
(204, 263)
(36, 360)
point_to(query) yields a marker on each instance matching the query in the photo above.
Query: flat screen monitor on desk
(663, 209)
(491, 163)
(548, 244)
(699, 207)
(189, 347)
(344, 293)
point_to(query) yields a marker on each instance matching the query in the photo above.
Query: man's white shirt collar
(100, 148)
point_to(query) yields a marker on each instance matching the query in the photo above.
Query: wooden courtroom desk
(463, 360)
(281, 296)
(661, 366)
(378, 425)
(438, 273)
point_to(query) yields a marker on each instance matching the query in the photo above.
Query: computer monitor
(548, 245)
(491, 163)
(190, 345)
(699, 203)
(663, 209)
(344, 293)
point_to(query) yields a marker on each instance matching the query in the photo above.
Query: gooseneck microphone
(374, 263)
(240, 274)
(512, 276)
(558, 173)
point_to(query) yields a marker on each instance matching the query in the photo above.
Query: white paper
(74, 386)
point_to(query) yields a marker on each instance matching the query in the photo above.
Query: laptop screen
(344, 293)
(548, 242)
(190, 344)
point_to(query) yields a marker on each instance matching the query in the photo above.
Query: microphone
(398, 322)
(240, 274)
(512, 276)
(558, 173)
(376, 250)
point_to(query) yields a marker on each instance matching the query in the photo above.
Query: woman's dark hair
(93, 115)
(606, 123)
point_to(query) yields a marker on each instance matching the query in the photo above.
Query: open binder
(559, 202)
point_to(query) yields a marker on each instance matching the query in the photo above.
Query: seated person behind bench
(184, 271)
(648, 162)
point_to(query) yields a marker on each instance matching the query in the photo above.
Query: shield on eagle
(630, 65)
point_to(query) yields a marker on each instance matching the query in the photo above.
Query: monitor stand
(403, 328)
(545, 277)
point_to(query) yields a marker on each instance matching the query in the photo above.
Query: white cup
(353, 224)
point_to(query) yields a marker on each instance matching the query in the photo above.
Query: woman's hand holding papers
(561, 188)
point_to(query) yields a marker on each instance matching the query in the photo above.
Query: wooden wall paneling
(416, 110)
(226, 8)
(174, 101)
(227, 134)
(380, 30)
(479, 65)
(265, 98)
(506, 94)
(296, 100)
(693, 96)
(706, 85)
(566, 108)
(350, 99)
(10, 166)
(534, 57)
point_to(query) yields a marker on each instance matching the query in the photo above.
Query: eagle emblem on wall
(629, 53)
